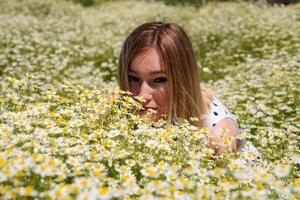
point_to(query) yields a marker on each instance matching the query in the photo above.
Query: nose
(145, 91)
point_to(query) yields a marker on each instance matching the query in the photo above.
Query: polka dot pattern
(217, 112)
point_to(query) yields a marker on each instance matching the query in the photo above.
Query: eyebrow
(152, 72)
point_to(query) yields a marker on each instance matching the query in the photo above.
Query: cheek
(167, 98)
(134, 87)
(163, 97)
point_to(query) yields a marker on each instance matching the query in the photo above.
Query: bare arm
(224, 136)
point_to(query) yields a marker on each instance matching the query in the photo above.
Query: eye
(160, 80)
(133, 78)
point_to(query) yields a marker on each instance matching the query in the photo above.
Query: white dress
(218, 112)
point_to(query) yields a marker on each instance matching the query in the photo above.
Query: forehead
(147, 62)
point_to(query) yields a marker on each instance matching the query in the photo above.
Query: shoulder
(207, 95)
(217, 113)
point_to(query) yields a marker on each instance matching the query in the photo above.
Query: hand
(224, 136)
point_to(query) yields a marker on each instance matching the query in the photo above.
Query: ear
(225, 131)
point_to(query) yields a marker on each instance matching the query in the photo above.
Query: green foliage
(192, 2)
(89, 3)
(199, 3)
(85, 2)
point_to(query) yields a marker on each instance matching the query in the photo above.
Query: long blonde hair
(187, 98)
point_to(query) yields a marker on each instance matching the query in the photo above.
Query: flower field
(62, 138)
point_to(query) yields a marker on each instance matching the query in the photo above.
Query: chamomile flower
(38, 110)
(282, 170)
(5, 130)
(152, 144)
(149, 171)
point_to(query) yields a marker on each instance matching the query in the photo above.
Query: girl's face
(148, 79)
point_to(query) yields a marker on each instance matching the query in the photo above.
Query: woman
(158, 63)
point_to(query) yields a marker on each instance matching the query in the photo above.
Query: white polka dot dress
(218, 112)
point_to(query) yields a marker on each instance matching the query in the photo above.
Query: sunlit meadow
(61, 137)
